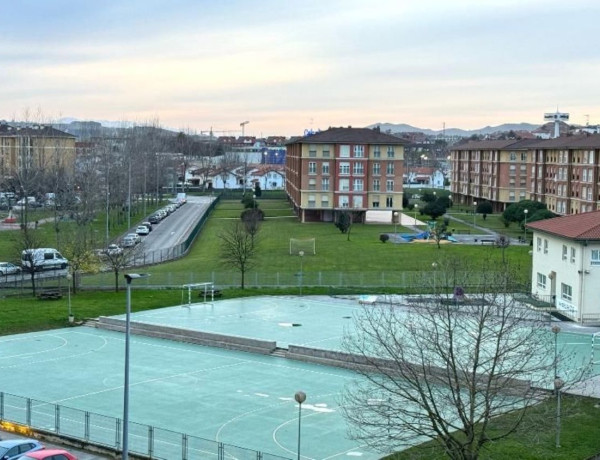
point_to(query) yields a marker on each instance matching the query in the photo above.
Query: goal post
(307, 245)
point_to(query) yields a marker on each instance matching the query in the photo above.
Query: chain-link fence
(105, 431)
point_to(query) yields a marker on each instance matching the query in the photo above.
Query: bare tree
(443, 367)
(78, 250)
(27, 240)
(120, 259)
(238, 249)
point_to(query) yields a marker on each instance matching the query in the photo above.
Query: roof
(350, 136)
(563, 142)
(33, 130)
(584, 226)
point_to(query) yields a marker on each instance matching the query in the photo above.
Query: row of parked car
(31, 449)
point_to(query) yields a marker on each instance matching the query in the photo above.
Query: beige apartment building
(345, 169)
(561, 172)
(34, 147)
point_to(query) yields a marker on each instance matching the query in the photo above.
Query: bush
(384, 237)
(253, 214)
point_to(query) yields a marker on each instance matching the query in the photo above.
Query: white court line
(47, 350)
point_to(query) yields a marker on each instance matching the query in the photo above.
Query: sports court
(238, 398)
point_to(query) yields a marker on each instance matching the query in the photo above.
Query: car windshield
(3, 450)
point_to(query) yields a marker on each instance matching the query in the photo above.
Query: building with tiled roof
(566, 265)
(345, 169)
(563, 173)
(40, 147)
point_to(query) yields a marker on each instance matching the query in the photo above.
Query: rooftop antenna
(557, 117)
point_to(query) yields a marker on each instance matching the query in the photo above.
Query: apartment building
(561, 172)
(351, 169)
(35, 146)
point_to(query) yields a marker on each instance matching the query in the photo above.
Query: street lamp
(69, 278)
(558, 384)
(395, 222)
(525, 211)
(300, 397)
(434, 266)
(416, 209)
(555, 331)
(301, 254)
(474, 212)
(129, 277)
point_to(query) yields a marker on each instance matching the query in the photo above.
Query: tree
(238, 250)
(516, 211)
(442, 367)
(434, 209)
(484, 208)
(120, 259)
(439, 232)
(28, 239)
(503, 242)
(344, 222)
(80, 255)
(428, 197)
(252, 219)
(541, 214)
(257, 190)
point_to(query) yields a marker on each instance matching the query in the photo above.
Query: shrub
(384, 237)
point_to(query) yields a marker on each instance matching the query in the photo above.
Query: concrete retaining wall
(229, 342)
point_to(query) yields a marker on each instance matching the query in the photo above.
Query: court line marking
(64, 342)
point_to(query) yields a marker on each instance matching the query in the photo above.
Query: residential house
(566, 265)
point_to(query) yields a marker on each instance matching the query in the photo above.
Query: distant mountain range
(403, 128)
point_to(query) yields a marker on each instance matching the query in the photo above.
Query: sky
(286, 65)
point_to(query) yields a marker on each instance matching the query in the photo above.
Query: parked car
(113, 250)
(147, 224)
(128, 242)
(135, 237)
(12, 449)
(49, 454)
(142, 230)
(154, 218)
(6, 268)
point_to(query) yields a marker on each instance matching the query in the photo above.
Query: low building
(566, 265)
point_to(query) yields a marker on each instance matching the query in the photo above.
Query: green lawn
(579, 438)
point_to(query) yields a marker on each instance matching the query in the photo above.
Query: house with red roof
(566, 265)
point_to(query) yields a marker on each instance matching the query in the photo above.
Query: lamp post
(69, 278)
(555, 331)
(300, 397)
(301, 254)
(474, 212)
(434, 266)
(525, 211)
(558, 384)
(395, 222)
(129, 277)
(416, 208)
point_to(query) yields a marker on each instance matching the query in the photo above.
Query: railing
(105, 431)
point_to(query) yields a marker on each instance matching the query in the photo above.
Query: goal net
(306, 245)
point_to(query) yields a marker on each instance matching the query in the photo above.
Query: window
(324, 201)
(312, 184)
(523, 156)
(595, 260)
(376, 152)
(389, 168)
(389, 202)
(311, 201)
(389, 185)
(312, 151)
(325, 168)
(357, 201)
(539, 244)
(358, 168)
(326, 152)
(376, 168)
(541, 280)
(376, 185)
(312, 167)
(564, 252)
(344, 201)
(573, 255)
(358, 186)
(344, 185)
(545, 246)
(566, 291)
(344, 168)
(344, 151)
(325, 183)
(359, 151)
(513, 156)
(375, 204)
(390, 151)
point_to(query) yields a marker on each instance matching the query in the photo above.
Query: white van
(43, 259)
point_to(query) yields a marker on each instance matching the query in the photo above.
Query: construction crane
(211, 131)
(243, 124)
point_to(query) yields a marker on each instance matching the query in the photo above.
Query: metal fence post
(86, 429)
(57, 419)
(2, 406)
(184, 447)
(118, 433)
(220, 451)
(150, 441)
(28, 412)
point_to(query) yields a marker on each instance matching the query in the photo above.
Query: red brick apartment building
(354, 169)
(561, 172)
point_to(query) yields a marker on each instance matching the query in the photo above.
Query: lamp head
(134, 276)
(300, 397)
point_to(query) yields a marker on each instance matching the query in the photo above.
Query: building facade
(34, 148)
(561, 172)
(344, 169)
(566, 265)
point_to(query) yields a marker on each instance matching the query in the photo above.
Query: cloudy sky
(286, 66)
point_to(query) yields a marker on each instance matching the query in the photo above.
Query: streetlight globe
(69, 277)
(300, 397)
(555, 329)
(301, 253)
(558, 383)
(434, 264)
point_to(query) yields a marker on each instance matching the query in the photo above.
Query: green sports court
(233, 397)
